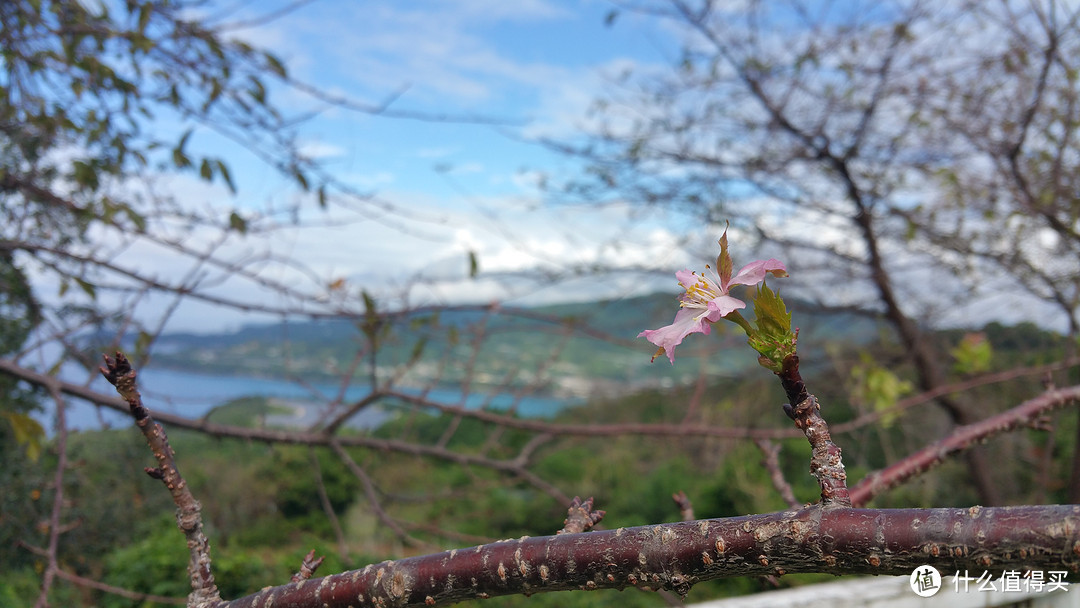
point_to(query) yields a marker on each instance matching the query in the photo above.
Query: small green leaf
(136, 218)
(180, 159)
(205, 171)
(237, 223)
(417, 350)
(300, 178)
(28, 432)
(474, 264)
(773, 338)
(973, 354)
(322, 196)
(183, 140)
(223, 171)
(145, 11)
(85, 174)
(369, 303)
(275, 65)
(372, 323)
(879, 388)
(257, 90)
(87, 287)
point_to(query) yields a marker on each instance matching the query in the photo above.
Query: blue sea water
(193, 394)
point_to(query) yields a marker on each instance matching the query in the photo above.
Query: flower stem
(738, 319)
(825, 461)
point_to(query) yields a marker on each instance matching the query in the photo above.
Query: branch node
(580, 517)
(686, 508)
(120, 374)
(308, 567)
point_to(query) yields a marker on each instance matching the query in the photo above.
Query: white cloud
(321, 150)
(369, 181)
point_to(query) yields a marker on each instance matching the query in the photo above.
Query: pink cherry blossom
(707, 300)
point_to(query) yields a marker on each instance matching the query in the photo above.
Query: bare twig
(328, 507)
(962, 438)
(129, 594)
(771, 462)
(373, 497)
(53, 566)
(204, 592)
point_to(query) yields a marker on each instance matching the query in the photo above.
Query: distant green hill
(573, 348)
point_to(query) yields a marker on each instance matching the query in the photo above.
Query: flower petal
(670, 336)
(686, 278)
(754, 272)
(723, 306)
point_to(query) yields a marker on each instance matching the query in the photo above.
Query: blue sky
(535, 66)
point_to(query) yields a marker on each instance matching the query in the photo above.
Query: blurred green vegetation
(263, 510)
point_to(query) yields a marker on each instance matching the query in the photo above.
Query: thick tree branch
(676, 556)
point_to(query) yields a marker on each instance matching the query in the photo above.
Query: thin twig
(962, 438)
(373, 497)
(129, 594)
(328, 507)
(771, 462)
(53, 567)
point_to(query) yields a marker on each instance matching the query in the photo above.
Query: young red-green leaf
(724, 265)
(773, 338)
